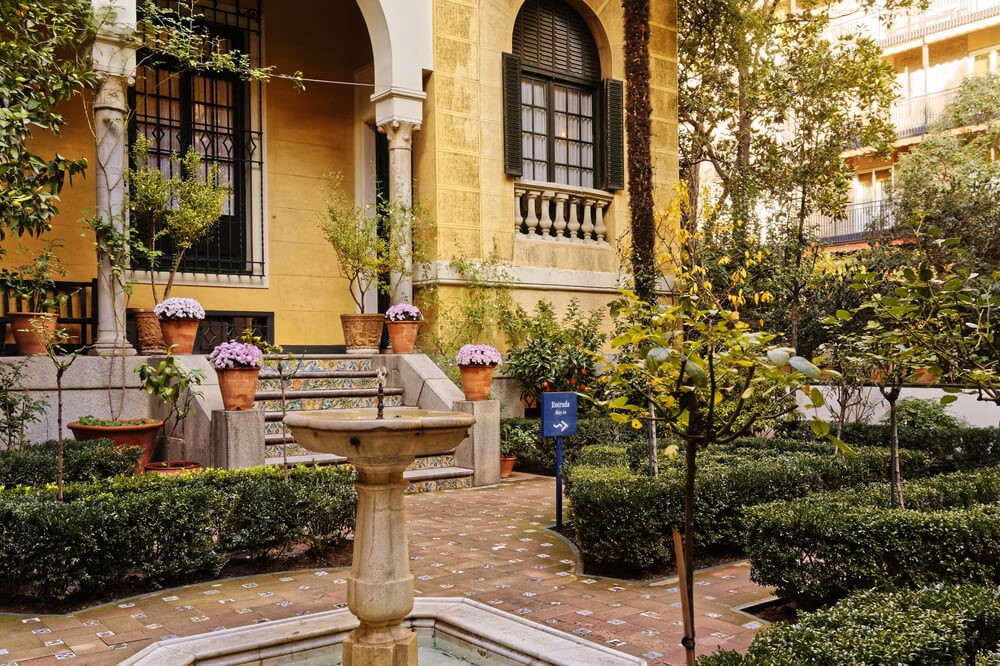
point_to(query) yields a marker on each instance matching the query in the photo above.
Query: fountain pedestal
(380, 585)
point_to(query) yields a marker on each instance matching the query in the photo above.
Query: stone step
(291, 396)
(420, 480)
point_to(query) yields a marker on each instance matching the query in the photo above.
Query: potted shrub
(175, 387)
(476, 363)
(237, 363)
(507, 449)
(123, 432)
(180, 210)
(403, 320)
(179, 319)
(31, 285)
(363, 255)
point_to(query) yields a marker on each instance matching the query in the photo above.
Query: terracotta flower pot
(28, 340)
(238, 387)
(362, 332)
(169, 467)
(179, 334)
(402, 335)
(149, 330)
(507, 466)
(143, 435)
(476, 381)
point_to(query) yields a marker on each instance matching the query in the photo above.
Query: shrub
(940, 624)
(822, 548)
(549, 355)
(522, 438)
(36, 465)
(151, 531)
(603, 456)
(952, 449)
(624, 520)
(917, 414)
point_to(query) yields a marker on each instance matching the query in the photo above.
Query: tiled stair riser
(307, 383)
(325, 365)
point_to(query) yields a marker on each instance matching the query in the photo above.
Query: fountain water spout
(381, 393)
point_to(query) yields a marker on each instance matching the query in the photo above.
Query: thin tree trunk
(895, 479)
(59, 426)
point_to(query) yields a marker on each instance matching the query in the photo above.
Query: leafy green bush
(549, 355)
(624, 520)
(522, 438)
(940, 624)
(917, 414)
(149, 531)
(35, 465)
(822, 548)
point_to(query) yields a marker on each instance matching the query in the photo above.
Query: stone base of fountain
(464, 631)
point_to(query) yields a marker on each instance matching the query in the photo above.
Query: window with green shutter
(561, 125)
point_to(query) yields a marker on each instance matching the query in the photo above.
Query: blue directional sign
(558, 414)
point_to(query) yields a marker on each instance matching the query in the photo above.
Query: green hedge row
(37, 464)
(148, 531)
(822, 548)
(538, 456)
(940, 625)
(950, 449)
(624, 520)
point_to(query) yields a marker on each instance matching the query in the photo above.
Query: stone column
(113, 57)
(110, 113)
(400, 135)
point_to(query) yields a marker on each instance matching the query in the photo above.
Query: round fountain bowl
(358, 434)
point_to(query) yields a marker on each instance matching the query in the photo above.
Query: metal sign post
(558, 420)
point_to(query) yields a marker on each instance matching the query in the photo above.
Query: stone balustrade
(547, 211)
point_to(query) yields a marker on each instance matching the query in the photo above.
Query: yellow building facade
(405, 99)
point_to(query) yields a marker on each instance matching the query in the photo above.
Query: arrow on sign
(562, 425)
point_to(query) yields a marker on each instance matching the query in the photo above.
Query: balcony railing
(940, 15)
(860, 220)
(913, 116)
(547, 211)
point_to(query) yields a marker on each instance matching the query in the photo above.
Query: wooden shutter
(512, 158)
(614, 146)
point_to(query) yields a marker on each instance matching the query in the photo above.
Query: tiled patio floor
(489, 544)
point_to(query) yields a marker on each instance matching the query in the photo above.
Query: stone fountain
(380, 445)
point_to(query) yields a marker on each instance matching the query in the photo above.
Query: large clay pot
(362, 332)
(143, 435)
(28, 340)
(149, 331)
(476, 381)
(402, 335)
(238, 387)
(179, 334)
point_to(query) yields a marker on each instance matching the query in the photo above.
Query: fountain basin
(465, 629)
(359, 435)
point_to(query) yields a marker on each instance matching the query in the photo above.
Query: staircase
(338, 382)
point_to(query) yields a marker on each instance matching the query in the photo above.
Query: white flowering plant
(404, 312)
(478, 355)
(235, 354)
(179, 308)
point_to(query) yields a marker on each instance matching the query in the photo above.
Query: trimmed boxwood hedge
(538, 456)
(950, 450)
(37, 464)
(623, 520)
(939, 625)
(822, 548)
(149, 531)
